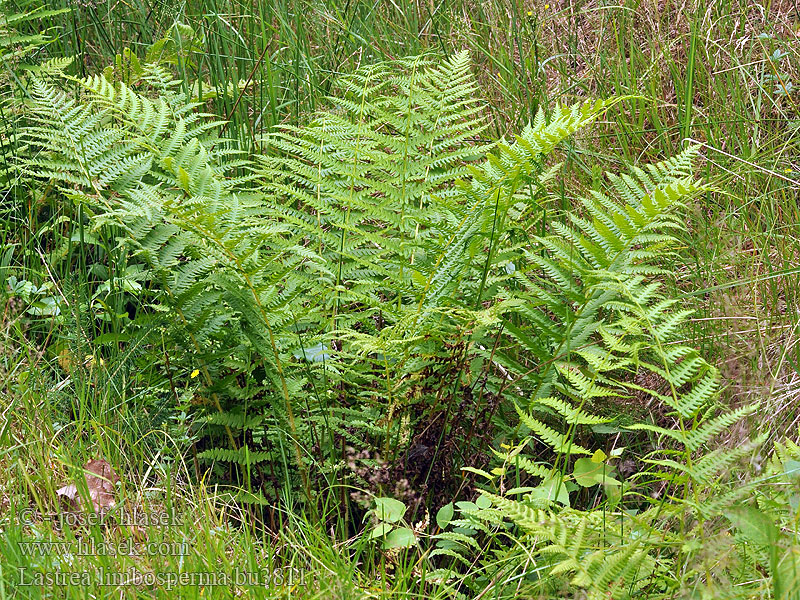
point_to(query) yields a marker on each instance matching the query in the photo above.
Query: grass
(715, 72)
(163, 523)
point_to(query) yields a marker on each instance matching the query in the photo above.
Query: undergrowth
(373, 348)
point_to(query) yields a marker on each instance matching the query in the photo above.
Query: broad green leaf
(753, 524)
(380, 530)
(445, 515)
(389, 509)
(483, 502)
(402, 537)
(613, 494)
(548, 489)
(587, 473)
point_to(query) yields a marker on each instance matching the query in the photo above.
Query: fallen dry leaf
(100, 480)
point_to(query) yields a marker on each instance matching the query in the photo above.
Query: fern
(583, 317)
(149, 172)
(382, 273)
(369, 182)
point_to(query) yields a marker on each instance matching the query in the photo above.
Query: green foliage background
(362, 311)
